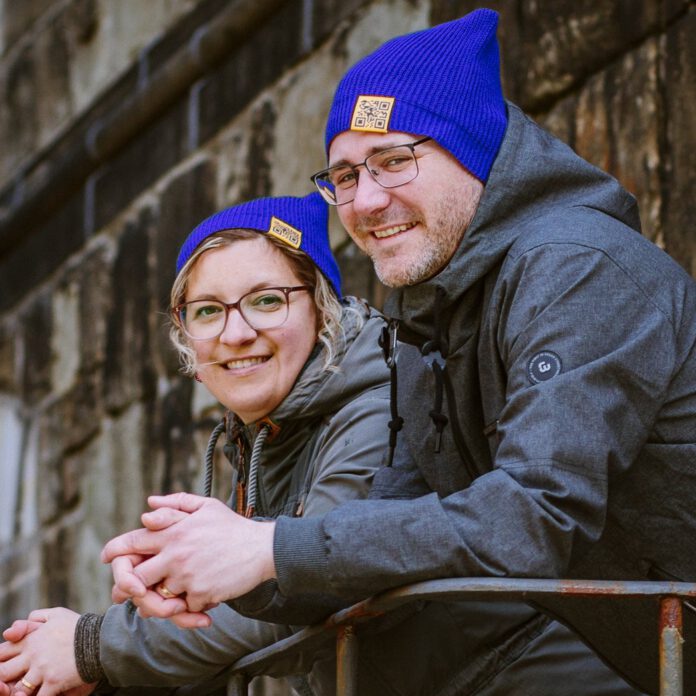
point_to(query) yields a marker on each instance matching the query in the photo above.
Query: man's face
(412, 231)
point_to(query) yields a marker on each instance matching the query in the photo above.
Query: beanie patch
(286, 233)
(372, 113)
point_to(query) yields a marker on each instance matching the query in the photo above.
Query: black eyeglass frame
(354, 169)
(176, 311)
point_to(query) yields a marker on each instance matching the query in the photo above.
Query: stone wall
(123, 123)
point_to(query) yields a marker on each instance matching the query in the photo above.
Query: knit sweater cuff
(86, 646)
(301, 555)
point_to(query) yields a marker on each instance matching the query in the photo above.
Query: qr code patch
(372, 113)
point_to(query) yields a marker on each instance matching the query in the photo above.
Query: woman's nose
(237, 331)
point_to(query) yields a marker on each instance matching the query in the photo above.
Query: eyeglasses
(390, 168)
(266, 308)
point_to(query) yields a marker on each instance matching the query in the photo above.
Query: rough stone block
(57, 554)
(40, 252)
(128, 370)
(679, 74)
(93, 278)
(158, 148)
(11, 445)
(52, 58)
(614, 123)
(564, 42)
(259, 61)
(18, 118)
(65, 338)
(326, 15)
(35, 331)
(19, 580)
(261, 141)
(73, 419)
(173, 436)
(8, 368)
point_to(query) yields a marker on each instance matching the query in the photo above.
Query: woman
(257, 319)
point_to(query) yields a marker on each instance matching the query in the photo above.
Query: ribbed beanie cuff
(302, 223)
(443, 82)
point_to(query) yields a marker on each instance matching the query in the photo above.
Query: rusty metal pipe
(671, 653)
(346, 662)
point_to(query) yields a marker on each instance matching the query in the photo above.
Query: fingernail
(202, 623)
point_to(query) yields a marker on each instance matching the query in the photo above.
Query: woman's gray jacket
(331, 438)
(568, 343)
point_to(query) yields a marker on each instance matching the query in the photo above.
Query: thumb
(186, 502)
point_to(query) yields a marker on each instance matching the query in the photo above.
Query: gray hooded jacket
(570, 389)
(331, 438)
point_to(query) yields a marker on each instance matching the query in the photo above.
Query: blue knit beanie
(301, 223)
(442, 82)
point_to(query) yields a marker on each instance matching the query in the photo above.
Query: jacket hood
(320, 390)
(535, 178)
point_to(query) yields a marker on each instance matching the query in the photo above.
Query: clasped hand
(192, 553)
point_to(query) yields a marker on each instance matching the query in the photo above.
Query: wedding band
(164, 591)
(27, 684)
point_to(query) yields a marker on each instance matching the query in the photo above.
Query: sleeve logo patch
(372, 114)
(544, 366)
(286, 233)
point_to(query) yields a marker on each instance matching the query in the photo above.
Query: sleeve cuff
(301, 555)
(86, 648)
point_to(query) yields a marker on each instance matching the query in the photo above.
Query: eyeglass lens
(389, 168)
(261, 309)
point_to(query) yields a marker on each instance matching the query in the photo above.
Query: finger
(8, 650)
(138, 541)
(118, 596)
(29, 683)
(188, 619)
(19, 629)
(152, 571)
(125, 579)
(39, 615)
(152, 605)
(187, 502)
(162, 518)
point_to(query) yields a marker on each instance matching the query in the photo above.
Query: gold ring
(27, 684)
(164, 591)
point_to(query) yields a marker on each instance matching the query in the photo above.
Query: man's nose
(237, 331)
(370, 197)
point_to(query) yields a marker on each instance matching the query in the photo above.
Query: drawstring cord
(253, 469)
(432, 354)
(264, 431)
(209, 457)
(387, 342)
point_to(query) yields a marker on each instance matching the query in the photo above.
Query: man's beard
(436, 246)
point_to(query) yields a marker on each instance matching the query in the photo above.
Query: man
(560, 348)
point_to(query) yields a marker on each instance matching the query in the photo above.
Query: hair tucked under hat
(442, 82)
(301, 223)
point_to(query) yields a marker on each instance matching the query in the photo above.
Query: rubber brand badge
(284, 232)
(372, 113)
(544, 366)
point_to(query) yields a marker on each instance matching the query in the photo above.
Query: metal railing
(671, 595)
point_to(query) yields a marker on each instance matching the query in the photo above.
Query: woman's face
(251, 371)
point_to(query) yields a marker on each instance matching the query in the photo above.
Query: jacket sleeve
(154, 652)
(348, 455)
(562, 441)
